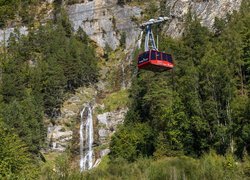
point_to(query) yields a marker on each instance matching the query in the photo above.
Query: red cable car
(152, 59)
(155, 61)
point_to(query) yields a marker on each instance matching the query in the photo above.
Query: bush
(131, 142)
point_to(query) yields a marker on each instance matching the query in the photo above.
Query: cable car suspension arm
(149, 39)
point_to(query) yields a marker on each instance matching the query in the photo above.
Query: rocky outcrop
(60, 133)
(106, 125)
(5, 33)
(108, 122)
(205, 10)
(63, 132)
(58, 137)
(104, 22)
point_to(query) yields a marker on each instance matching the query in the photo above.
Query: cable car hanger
(149, 34)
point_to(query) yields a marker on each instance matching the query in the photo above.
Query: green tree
(15, 161)
(25, 118)
(132, 142)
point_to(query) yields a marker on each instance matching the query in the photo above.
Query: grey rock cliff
(108, 124)
(205, 10)
(104, 21)
(5, 33)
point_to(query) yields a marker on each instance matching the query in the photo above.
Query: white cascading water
(139, 40)
(123, 85)
(86, 139)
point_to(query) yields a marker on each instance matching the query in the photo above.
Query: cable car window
(145, 56)
(153, 57)
(169, 58)
(140, 59)
(164, 56)
(158, 55)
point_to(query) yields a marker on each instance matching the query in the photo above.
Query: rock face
(58, 137)
(108, 122)
(205, 10)
(5, 33)
(104, 21)
(60, 134)
(64, 131)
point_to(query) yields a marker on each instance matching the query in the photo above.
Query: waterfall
(86, 139)
(123, 85)
(139, 40)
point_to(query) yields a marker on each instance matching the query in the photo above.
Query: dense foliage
(36, 72)
(12, 9)
(209, 167)
(202, 104)
(15, 161)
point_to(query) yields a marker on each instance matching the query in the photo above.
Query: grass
(101, 147)
(51, 156)
(104, 163)
(116, 100)
(209, 167)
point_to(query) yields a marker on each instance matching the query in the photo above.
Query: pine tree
(15, 161)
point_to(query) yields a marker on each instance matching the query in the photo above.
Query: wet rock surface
(60, 133)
